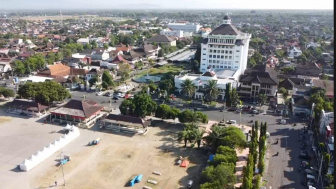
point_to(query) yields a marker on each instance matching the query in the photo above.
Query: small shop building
(123, 123)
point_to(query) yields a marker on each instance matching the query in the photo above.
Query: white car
(231, 122)
(99, 93)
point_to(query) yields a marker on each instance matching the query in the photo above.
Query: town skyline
(174, 4)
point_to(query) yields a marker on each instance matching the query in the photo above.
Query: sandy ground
(119, 157)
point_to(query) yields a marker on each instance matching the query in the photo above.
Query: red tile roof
(118, 59)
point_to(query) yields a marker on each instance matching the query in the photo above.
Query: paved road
(282, 169)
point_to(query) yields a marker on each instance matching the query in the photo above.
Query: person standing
(55, 183)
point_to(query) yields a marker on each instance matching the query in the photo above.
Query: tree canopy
(140, 106)
(44, 92)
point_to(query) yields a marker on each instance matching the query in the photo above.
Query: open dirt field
(119, 157)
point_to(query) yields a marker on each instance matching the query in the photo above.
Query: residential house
(94, 73)
(172, 33)
(24, 56)
(118, 59)
(146, 51)
(326, 119)
(310, 71)
(258, 80)
(83, 41)
(162, 39)
(5, 66)
(18, 106)
(293, 52)
(327, 85)
(100, 54)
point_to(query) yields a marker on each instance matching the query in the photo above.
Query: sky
(167, 4)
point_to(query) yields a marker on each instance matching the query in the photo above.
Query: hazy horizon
(172, 4)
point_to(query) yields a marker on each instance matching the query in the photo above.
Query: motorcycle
(251, 121)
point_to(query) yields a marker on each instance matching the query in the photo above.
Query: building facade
(186, 27)
(225, 48)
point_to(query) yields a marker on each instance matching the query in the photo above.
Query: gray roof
(160, 38)
(128, 119)
(79, 108)
(260, 74)
(225, 29)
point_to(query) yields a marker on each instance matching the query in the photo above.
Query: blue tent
(211, 157)
(138, 178)
(132, 182)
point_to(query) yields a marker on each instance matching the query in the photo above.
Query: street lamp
(240, 107)
(223, 112)
(62, 167)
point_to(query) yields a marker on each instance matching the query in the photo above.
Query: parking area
(20, 137)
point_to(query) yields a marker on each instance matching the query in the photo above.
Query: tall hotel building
(225, 48)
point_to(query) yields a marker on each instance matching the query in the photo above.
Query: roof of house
(55, 70)
(118, 59)
(95, 71)
(225, 29)
(27, 105)
(307, 70)
(209, 74)
(325, 84)
(260, 74)
(301, 101)
(128, 119)
(239, 42)
(160, 38)
(149, 47)
(79, 108)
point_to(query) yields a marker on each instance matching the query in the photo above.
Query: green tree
(7, 92)
(211, 90)
(234, 98)
(163, 111)
(257, 57)
(45, 93)
(227, 94)
(107, 79)
(188, 134)
(257, 184)
(263, 99)
(160, 54)
(251, 62)
(51, 58)
(105, 46)
(144, 105)
(166, 84)
(188, 88)
(198, 137)
(59, 56)
(188, 116)
(221, 176)
(19, 67)
(248, 173)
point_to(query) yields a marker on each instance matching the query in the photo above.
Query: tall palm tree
(211, 90)
(188, 134)
(263, 99)
(198, 137)
(188, 88)
(213, 139)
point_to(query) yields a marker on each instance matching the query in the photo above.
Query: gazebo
(125, 123)
(25, 106)
(81, 112)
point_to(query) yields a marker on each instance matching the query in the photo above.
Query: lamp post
(240, 106)
(62, 167)
(223, 112)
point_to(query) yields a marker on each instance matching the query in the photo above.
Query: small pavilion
(83, 113)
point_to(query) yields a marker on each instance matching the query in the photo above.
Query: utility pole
(62, 167)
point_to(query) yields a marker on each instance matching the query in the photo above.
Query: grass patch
(163, 70)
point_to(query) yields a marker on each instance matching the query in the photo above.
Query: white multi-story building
(225, 48)
(172, 33)
(186, 27)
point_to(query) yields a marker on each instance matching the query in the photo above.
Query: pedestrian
(45, 121)
(55, 183)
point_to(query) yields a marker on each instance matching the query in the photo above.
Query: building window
(213, 66)
(237, 51)
(217, 61)
(237, 61)
(211, 50)
(225, 66)
(226, 57)
(210, 56)
(230, 52)
(230, 57)
(211, 45)
(210, 61)
(214, 51)
(218, 56)
(221, 66)
(222, 56)
(236, 66)
(217, 66)
(226, 52)
(204, 48)
(229, 67)
(204, 59)
(222, 51)
(203, 64)
(204, 54)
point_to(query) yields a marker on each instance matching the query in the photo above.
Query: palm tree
(212, 90)
(263, 99)
(188, 88)
(214, 137)
(198, 137)
(188, 134)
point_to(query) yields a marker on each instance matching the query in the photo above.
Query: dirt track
(118, 157)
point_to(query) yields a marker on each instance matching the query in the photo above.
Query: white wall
(49, 150)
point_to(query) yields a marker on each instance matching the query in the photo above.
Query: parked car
(115, 98)
(231, 122)
(107, 94)
(190, 183)
(304, 156)
(232, 109)
(99, 93)
(255, 112)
